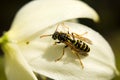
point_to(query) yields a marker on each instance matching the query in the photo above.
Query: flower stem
(1, 40)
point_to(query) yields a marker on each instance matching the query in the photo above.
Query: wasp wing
(82, 38)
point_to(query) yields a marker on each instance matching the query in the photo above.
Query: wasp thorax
(62, 37)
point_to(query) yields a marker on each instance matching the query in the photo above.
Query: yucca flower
(39, 17)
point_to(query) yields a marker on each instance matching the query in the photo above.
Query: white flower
(40, 17)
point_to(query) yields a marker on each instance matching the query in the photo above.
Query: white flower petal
(39, 14)
(16, 67)
(98, 65)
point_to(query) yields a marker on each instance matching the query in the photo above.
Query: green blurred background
(109, 25)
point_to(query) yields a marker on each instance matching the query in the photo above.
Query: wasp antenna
(45, 35)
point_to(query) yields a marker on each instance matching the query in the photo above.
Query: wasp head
(55, 35)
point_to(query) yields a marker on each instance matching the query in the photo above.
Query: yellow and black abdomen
(83, 47)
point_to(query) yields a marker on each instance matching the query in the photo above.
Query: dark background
(109, 25)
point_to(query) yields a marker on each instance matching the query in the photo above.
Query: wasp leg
(78, 58)
(57, 27)
(84, 33)
(79, 34)
(65, 27)
(62, 54)
(73, 36)
(56, 43)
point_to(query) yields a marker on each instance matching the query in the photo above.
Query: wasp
(73, 40)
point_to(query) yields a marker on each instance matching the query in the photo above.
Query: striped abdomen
(80, 45)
